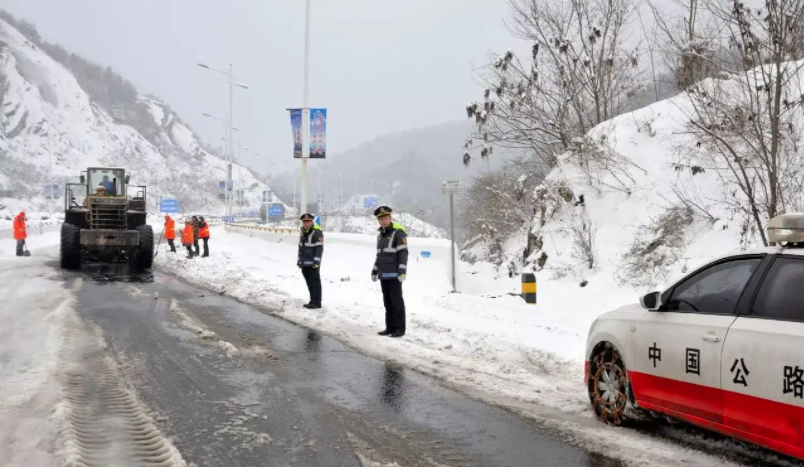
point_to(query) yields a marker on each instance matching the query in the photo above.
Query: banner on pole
(295, 126)
(318, 133)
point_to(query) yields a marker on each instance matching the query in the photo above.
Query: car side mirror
(128, 177)
(651, 301)
(82, 179)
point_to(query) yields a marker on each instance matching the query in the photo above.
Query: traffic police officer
(311, 248)
(390, 268)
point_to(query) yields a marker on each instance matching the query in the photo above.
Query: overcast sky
(378, 66)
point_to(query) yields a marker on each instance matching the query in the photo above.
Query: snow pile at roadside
(480, 338)
(360, 223)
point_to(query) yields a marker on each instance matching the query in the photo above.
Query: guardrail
(275, 230)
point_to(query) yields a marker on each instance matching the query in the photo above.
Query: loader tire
(144, 253)
(70, 254)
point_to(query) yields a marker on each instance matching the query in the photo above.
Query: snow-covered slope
(639, 231)
(45, 113)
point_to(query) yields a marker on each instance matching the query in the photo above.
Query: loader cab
(114, 180)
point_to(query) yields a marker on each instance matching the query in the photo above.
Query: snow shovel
(159, 243)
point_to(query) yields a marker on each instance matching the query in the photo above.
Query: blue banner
(295, 126)
(169, 206)
(318, 133)
(369, 202)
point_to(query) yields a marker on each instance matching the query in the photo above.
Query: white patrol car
(723, 348)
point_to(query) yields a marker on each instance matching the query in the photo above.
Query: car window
(780, 295)
(715, 290)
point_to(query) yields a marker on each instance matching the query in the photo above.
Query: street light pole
(306, 110)
(232, 78)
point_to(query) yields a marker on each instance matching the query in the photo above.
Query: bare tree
(747, 126)
(580, 73)
(495, 206)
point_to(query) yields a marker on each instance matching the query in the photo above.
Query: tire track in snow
(101, 422)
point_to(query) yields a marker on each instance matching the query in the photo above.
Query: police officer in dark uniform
(311, 248)
(390, 268)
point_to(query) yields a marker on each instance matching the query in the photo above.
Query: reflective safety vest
(20, 233)
(170, 228)
(311, 247)
(392, 252)
(187, 235)
(203, 232)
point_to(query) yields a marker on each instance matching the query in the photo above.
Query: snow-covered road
(33, 306)
(59, 330)
(500, 350)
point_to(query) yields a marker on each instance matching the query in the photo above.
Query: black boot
(384, 333)
(397, 334)
(308, 305)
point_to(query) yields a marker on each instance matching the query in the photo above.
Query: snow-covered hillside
(47, 117)
(644, 219)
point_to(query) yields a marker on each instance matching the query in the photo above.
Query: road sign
(169, 205)
(276, 210)
(451, 187)
(369, 202)
(317, 221)
(52, 191)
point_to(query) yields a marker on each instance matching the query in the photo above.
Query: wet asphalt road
(278, 394)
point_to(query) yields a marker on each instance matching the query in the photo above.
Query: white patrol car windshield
(786, 229)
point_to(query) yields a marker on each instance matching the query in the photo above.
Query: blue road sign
(169, 205)
(369, 202)
(317, 220)
(276, 210)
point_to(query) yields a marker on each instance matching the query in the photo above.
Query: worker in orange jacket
(170, 232)
(187, 237)
(203, 234)
(20, 232)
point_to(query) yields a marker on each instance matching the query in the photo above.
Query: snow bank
(367, 224)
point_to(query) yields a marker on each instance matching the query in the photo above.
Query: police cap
(383, 211)
(307, 217)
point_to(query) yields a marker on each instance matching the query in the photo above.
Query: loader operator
(99, 191)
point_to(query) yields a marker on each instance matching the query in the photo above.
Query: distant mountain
(59, 108)
(413, 163)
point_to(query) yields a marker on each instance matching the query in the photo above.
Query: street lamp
(232, 81)
(306, 110)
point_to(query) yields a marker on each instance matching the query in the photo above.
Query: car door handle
(711, 338)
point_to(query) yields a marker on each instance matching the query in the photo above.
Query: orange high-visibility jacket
(187, 236)
(170, 228)
(20, 233)
(203, 232)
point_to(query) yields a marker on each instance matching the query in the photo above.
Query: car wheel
(608, 385)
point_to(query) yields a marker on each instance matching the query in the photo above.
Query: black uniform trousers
(394, 305)
(172, 245)
(206, 246)
(313, 278)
